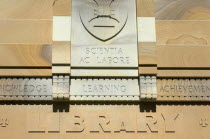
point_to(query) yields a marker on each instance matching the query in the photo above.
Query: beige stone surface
(25, 55)
(169, 121)
(104, 72)
(62, 8)
(25, 72)
(145, 8)
(26, 9)
(182, 9)
(182, 32)
(26, 31)
(61, 52)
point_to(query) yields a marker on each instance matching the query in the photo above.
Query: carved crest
(103, 19)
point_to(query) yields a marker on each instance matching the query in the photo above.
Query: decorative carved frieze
(183, 89)
(148, 87)
(25, 89)
(104, 89)
(61, 87)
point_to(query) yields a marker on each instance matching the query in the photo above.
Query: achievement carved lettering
(185, 88)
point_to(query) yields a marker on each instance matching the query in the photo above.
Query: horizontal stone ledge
(104, 89)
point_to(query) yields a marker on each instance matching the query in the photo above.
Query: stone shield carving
(104, 33)
(103, 19)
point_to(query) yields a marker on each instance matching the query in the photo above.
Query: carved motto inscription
(104, 55)
(104, 33)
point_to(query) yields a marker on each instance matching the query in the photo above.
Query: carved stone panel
(183, 89)
(25, 89)
(61, 87)
(105, 121)
(148, 87)
(104, 89)
(104, 33)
